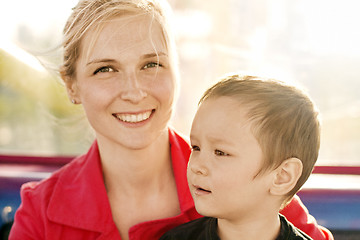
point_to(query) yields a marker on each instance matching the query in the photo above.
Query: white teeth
(133, 118)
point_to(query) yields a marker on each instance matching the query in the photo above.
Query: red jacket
(73, 204)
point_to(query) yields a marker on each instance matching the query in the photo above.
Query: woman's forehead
(125, 34)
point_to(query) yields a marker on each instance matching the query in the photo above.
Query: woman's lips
(134, 117)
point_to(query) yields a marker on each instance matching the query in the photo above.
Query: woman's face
(124, 81)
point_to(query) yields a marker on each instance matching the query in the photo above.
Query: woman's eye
(152, 65)
(104, 70)
(195, 148)
(220, 153)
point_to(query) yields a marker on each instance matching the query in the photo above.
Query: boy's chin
(204, 211)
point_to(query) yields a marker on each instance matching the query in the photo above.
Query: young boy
(254, 144)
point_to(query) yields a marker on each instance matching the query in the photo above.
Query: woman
(120, 64)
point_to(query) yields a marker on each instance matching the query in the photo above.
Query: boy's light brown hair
(284, 120)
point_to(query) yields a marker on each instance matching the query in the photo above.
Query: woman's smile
(134, 117)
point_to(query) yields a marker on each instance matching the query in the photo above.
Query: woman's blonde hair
(92, 14)
(283, 119)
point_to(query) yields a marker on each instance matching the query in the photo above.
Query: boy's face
(224, 162)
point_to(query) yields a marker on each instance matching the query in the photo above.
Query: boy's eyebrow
(213, 140)
(192, 137)
(219, 140)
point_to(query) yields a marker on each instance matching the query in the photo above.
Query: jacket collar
(180, 153)
(79, 197)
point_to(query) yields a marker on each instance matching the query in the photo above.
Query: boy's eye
(104, 70)
(195, 148)
(220, 153)
(152, 65)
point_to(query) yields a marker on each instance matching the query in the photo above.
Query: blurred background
(312, 43)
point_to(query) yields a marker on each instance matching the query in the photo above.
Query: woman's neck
(132, 171)
(140, 183)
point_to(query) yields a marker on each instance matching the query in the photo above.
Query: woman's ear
(71, 88)
(286, 176)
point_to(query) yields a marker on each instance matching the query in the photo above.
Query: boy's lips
(134, 117)
(200, 191)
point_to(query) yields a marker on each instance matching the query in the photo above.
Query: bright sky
(323, 18)
(37, 14)
(331, 26)
(332, 23)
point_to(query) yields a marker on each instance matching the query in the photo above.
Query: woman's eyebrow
(105, 60)
(151, 55)
(109, 60)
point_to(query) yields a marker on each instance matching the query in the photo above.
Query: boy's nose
(197, 167)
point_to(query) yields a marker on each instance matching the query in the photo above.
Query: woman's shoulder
(179, 141)
(42, 190)
(177, 134)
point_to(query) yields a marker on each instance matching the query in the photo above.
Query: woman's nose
(132, 90)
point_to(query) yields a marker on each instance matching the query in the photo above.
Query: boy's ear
(286, 176)
(71, 88)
